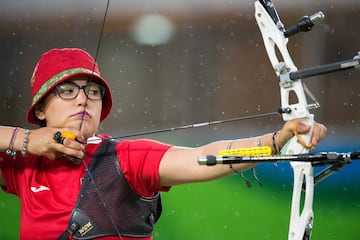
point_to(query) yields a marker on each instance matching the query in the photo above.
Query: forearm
(180, 165)
(273, 140)
(270, 140)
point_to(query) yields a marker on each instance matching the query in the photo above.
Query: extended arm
(179, 164)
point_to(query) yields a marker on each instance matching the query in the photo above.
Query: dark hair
(41, 123)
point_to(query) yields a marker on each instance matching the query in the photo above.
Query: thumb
(302, 128)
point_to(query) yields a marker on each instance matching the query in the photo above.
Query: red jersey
(49, 189)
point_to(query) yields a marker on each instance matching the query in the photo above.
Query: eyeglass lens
(70, 90)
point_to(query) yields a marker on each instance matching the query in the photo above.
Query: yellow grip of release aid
(69, 135)
(253, 151)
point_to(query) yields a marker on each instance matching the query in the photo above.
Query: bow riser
(274, 39)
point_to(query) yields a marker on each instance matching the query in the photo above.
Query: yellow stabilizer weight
(69, 135)
(253, 151)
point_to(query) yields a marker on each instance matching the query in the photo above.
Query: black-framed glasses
(70, 90)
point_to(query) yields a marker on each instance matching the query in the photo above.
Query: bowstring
(96, 57)
(83, 117)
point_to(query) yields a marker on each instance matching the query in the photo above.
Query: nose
(81, 97)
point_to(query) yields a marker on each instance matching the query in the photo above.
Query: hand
(290, 127)
(42, 143)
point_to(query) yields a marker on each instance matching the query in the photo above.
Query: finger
(73, 134)
(60, 136)
(315, 137)
(71, 149)
(318, 133)
(73, 144)
(66, 144)
(51, 155)
(302, 128)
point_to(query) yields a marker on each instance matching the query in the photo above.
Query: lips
(82, 114)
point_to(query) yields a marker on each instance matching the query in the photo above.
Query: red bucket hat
(59, 65)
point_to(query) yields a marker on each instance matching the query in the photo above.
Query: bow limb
(272, 30)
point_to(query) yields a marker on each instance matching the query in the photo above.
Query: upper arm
(180, 165)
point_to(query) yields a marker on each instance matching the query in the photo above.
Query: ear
(39, 113)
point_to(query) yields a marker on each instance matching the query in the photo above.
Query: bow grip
(293, 146)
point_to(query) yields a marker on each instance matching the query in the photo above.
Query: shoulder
(140, 161)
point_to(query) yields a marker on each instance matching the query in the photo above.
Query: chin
(88, 132)
(85, 127)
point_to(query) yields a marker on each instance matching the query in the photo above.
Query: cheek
(55, 112)
(99, 110)
(55, 116)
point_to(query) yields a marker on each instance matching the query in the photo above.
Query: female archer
(74, 183)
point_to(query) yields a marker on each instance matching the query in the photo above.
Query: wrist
(20, 143)
(275, 145)
(11, 149)
(271, 140)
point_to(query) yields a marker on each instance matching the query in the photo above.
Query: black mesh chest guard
(106, 200)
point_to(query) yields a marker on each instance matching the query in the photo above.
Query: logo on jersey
(39, 189)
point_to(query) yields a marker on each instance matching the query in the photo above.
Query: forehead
(83, 79)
